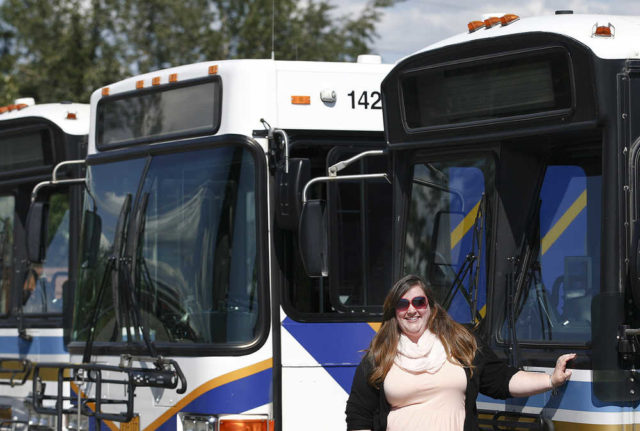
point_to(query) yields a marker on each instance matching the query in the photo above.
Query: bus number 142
(368, 100)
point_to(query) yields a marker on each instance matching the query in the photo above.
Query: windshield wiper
(470, 267)
(166, 373)
(5, 235)
(526, 270)
(132, 304)
(543, 304)
(111, 270)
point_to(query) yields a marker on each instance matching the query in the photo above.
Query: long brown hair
(458, 342)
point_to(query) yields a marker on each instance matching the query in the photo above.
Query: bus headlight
(195, 422)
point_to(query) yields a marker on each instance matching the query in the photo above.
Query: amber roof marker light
(492, 22)
(606, 31)
(508, 19)
(475, 26)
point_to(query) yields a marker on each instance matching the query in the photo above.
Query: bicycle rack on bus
(93, 378)
(14, 371)
(12, 424)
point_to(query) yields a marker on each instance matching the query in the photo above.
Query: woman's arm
(525, 383)
(363, 400)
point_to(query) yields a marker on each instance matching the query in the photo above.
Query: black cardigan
(367, 407)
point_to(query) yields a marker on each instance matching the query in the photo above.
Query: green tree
(56, 49)
(308, 31)
(63, 49)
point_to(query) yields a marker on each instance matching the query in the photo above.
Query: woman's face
(413, 321)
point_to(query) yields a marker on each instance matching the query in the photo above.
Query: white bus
(514, 150)
(33, 139)
(192, 308)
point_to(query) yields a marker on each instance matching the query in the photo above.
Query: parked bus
(514, 150)
(33, 139)
(511, 153)
(192, 308)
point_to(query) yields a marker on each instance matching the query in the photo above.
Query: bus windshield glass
(186, 232)
(143, 115)
(555, 305)
(446, 225)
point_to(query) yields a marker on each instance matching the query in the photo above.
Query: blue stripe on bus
(170, 424)
(577, 396)
(232, 398)
(15, 345)
(235, 397)
(338, 347)
(332, 343)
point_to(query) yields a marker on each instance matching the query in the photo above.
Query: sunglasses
(417, 302)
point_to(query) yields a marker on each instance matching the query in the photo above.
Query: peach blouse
(424, 401)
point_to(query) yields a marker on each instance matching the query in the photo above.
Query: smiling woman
(412, 313)
(424, 370)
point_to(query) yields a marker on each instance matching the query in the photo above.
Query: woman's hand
(526, 383)
(561, 374)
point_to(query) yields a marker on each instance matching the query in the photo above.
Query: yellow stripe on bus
(561, 225)
(549, 239)
(207, 386)
(465, 225)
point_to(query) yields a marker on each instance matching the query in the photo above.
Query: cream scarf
(428, 355)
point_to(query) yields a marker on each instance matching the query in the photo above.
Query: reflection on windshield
(192, 241)
(555, 304)
(7, 204)
(444, 212)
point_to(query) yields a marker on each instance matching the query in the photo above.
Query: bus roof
(57, 113)
(255, 89)
(624, 42)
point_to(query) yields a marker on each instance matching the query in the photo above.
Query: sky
(413, 24)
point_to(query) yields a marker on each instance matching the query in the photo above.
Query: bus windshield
(186, 223)
(446, 230)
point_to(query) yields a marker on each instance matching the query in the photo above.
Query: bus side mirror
(37, 222)
(312, 238)
(91, 233)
